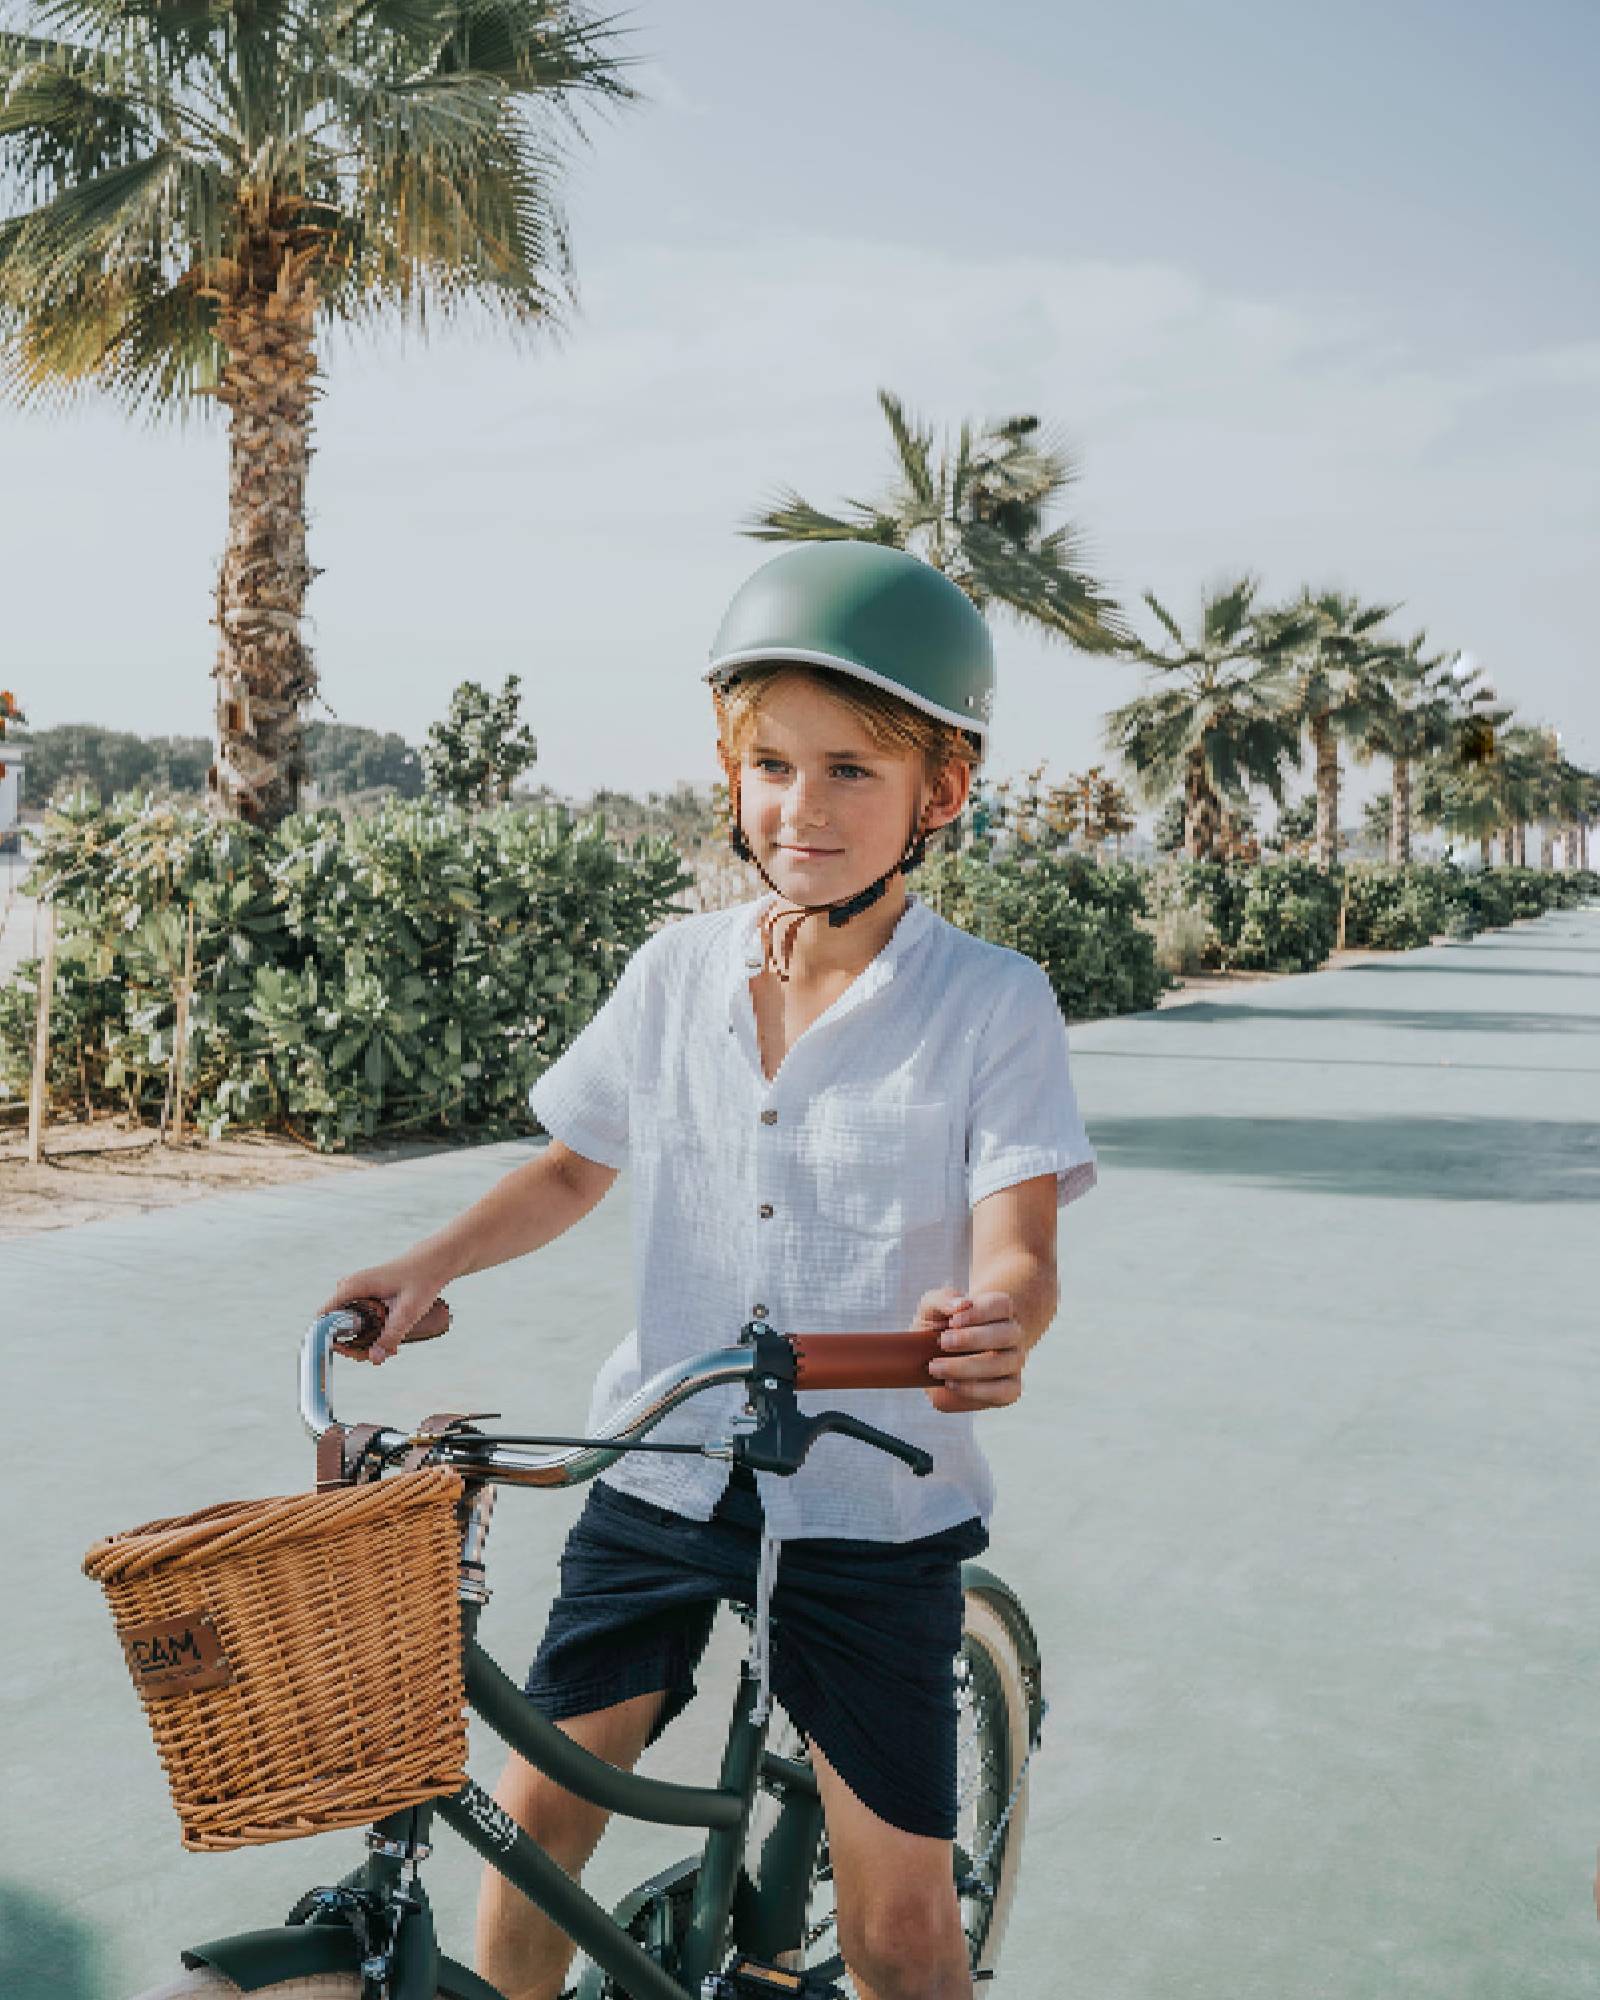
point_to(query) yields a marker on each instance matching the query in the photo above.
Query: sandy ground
(90, 1172)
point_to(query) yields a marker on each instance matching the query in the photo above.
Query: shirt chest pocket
(882, 1169)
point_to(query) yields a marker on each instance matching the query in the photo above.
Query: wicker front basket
(337, 1697)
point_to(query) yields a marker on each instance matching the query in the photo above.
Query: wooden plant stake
(180, 1034)
(41, 1039)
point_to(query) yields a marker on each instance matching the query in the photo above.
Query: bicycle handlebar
(809, 1361)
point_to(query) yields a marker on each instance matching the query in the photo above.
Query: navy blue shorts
(864, 1636)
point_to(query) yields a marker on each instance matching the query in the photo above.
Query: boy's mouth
(809, 853)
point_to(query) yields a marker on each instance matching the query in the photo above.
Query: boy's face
(826, 809)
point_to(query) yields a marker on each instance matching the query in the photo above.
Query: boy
(832, 1104)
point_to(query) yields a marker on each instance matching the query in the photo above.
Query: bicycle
(750, 1914)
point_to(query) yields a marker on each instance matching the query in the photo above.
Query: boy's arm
(1011, 1298)
(523, 1211)
(526, 1209)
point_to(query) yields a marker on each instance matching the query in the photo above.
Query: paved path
(1303, 1494)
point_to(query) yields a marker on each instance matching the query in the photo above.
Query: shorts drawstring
(761, 1630)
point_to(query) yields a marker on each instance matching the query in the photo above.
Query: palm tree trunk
(1327, 751)
(1547, 844)
(1400, 814)
(1486, 849)
(264, 671)
(1201, 812)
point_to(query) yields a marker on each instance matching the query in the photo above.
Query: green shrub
(1078, 918)
(1269, 916)
(1184, 940)
(414, 970)
(1174, 889)
(1488, 898)
(1290, 918)
(1397, 909)
(1580, 885)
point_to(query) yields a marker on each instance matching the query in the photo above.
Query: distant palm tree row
(1233, 703)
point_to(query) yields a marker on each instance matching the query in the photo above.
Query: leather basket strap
(431, 1429)
(342, 1456)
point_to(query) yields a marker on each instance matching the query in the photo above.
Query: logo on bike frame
(500, 1827)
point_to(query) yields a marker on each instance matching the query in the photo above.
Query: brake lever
(920, 1461)
(782, 1436)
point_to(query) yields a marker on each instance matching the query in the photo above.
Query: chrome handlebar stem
(518, 1465)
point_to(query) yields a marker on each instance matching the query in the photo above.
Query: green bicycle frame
(762, 1915)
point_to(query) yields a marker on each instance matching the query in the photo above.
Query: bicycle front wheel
(998, 1709)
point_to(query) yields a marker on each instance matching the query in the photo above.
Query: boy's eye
(860, 770)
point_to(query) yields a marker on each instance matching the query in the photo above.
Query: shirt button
(769, 1117)
(764, 1210)
(758, 1312)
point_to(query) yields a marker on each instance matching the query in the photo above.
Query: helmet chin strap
(839, 913)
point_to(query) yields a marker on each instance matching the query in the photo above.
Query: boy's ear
(951, 792)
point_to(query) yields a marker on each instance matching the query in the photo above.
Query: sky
(1310, 291)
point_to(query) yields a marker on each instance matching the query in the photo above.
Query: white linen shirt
(827, 1200)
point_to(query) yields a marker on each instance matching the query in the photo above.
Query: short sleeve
(1023, 1117)
(582, 1098)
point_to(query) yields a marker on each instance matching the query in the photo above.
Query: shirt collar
(744, 955)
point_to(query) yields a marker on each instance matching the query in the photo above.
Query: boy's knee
(906, 1942)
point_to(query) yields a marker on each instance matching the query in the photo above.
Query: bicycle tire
(998, 1706)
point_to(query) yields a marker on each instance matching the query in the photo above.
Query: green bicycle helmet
(876, 614)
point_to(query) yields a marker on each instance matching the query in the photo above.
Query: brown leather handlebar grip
(374, 1315)
(865, 1360)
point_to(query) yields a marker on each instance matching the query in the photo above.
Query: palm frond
(120, 222)
(1164, 618)
(550, 51)
(794, 519)
(1041, 586)
(913, 444)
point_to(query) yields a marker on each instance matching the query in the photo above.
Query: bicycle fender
(1008, 1606)
(254, 1959)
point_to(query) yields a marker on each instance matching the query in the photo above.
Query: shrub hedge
(1395, 909)
(414, 970)
(1078, 918)
(1269, 916)
(417, 969)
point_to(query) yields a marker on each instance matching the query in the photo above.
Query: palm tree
(1574, 801)
(1344, 691)
(1220, 716)
(192, 190)
(975, 510)
(1461, 787)
(1412, 726)
(1588, 809)
(1524, 771)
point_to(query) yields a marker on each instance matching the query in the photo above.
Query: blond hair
(891, 723)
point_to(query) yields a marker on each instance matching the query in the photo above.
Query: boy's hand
(981, 1367)
(405, 1288)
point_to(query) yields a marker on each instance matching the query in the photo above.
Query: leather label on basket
(176, 1656)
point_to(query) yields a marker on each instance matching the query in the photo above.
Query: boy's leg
(899, 1921)
(518, 1948)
